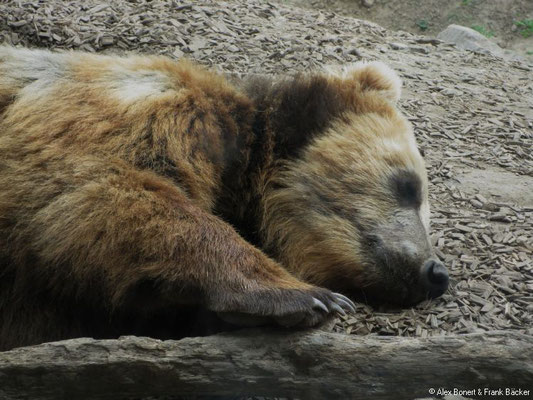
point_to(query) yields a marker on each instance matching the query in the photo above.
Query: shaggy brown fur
(129, 185)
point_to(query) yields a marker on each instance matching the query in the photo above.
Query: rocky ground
(473, 117)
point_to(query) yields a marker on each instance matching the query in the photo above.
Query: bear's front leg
(130, 228)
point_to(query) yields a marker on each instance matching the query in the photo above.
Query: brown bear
(141, 195)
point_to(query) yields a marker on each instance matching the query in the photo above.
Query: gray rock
(469, 39)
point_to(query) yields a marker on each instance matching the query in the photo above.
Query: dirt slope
(473, 116)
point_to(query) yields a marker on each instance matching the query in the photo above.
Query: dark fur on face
(407, 187)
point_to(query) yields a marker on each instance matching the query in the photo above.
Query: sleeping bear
(142, 195)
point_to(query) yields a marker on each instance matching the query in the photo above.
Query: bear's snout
(406, 256)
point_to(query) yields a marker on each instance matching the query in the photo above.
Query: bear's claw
(318, 304)
(340, 304)
(338, 308)
(345, 302)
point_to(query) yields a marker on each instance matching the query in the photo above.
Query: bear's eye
(407, 188)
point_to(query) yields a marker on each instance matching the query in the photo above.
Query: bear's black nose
(435, 277)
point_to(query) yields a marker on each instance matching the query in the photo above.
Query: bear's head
(351, 212)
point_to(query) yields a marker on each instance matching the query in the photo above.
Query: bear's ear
(374, 75)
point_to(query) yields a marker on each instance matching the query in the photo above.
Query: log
(309, 364)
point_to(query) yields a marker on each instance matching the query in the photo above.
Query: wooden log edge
(308, 364)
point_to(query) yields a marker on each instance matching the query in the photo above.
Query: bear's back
(172, 117)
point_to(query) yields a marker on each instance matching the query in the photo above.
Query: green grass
(466, 2)
(525, 27)
(484, 31)
(529, 52)
(422, 24)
